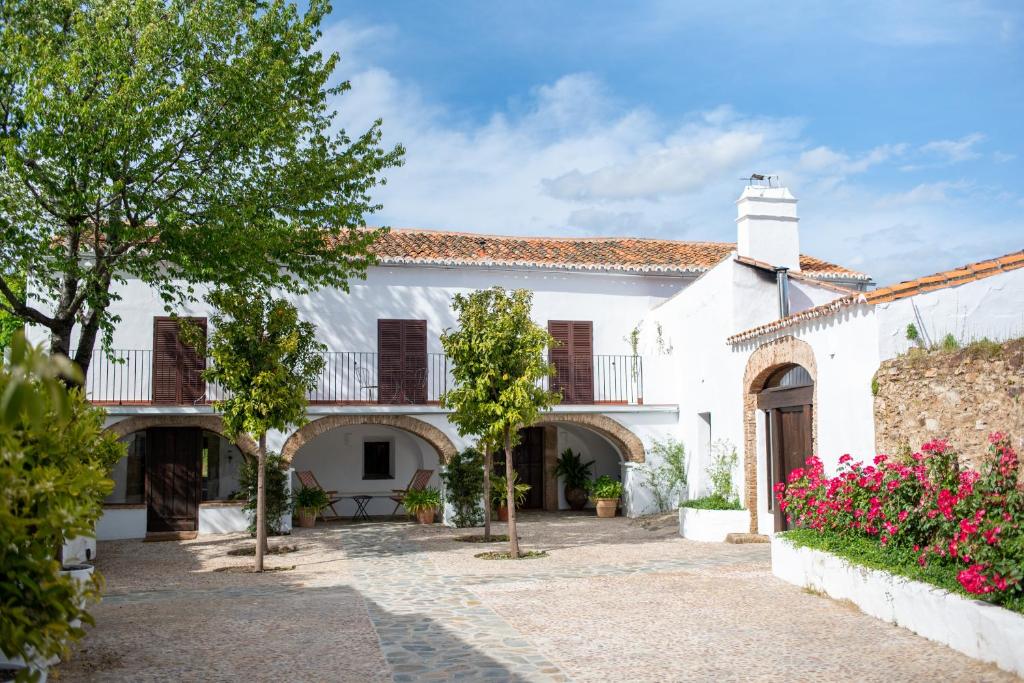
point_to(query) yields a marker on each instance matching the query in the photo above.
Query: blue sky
(899, 126)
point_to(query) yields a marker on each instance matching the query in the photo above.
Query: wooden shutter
(582, 352)
(402, 361)
(193, 388)
(573, 359)
(559, 356)
(165, 361)
(177, 367)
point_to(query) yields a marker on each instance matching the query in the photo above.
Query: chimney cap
(762, 180)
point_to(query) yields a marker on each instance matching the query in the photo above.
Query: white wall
(589, 446)
(121, 523)
(992, 307)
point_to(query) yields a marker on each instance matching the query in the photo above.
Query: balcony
(125, 378)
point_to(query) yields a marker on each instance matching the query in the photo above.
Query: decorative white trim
(978, 629)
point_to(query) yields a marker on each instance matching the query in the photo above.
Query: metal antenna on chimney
(761, 180)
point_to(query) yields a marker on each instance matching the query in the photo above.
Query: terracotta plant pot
(425, 516)
(606, 507)
(503, 513)
(575, 497)
(307, 519)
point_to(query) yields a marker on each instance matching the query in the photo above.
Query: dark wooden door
(177, 366)
(402, 361)
(790, 445)
(528, 461)
(173, 479)
(573, 358)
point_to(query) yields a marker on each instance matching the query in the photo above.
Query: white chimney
(767, 228)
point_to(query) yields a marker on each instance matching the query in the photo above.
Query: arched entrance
(780, 427)
(368, 455)
(787, 401)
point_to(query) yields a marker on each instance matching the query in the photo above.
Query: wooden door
(573, 358)
(177, 366)
(790, 444)
(173, 480)
(528, 461)
(402, 361)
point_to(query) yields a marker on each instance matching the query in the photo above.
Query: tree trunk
(513, 537)
(488, 466)
(87, 343)
(261, 503)
(60, 338)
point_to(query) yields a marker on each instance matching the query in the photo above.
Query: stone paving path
(616, 600)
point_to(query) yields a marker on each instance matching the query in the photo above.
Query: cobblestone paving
(616, 600)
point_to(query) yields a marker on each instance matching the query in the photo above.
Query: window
(220, 462)
(402, 361)
(377, 460)
(129, 474)
(177, 368)
(573, 359)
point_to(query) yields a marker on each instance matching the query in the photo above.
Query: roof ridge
(564, 238)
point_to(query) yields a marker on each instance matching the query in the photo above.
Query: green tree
(54, 461)
(266, 359)
(177, 142)
(498, 363)
(9, 321)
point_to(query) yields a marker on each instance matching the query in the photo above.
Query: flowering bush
(943, 512)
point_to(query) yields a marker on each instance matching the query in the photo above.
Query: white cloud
(569, 157)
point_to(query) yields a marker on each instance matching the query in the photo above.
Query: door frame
(773, 402)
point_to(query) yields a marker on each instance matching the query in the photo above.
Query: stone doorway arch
(211, 423)
(763, 363)
(426, 431)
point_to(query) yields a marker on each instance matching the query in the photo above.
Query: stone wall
(960, 396)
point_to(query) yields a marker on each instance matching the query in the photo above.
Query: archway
(780, 372)
(211, 423)
(368, 457)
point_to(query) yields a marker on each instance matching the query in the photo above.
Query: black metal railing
(125, 377)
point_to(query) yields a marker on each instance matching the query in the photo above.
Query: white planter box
(977, 629)
(223, 519)
(712, 525)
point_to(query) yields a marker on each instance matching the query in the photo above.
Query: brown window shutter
(559, 355)
(582, 351)
(193, 387)
(165, 361)
(177, 367)
(389, 361)
(414, 361)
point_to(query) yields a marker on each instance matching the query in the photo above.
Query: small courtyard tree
(266, 359)
(498, 362)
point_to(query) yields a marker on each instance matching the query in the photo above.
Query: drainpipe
(782, 278)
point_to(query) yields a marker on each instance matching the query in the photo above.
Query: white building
(722, 329)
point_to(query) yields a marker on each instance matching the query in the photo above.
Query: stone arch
(629, 445)
(426, 431)
(762, 363)
(212, 423)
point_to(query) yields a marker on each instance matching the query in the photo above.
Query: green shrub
(912, 334)
(499, 490)
(574, 472)
(874, 386)
(605, 488)
(668, 477)
(723, 463)
(312, 499)
(713, 502)
(278, 504)
(464, 486)
(54, 461)
(422, 499)
(950, 343)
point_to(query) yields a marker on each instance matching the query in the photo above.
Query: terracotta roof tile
(629, 254)
(902, 290)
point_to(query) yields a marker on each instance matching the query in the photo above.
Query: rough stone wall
(960, 396)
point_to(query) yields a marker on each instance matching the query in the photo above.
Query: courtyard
(616, 599)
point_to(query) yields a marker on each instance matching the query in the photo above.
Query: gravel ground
(615, 600)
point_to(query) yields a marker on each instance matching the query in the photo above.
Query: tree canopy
(177, 142)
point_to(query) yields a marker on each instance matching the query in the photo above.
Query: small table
(361, 513)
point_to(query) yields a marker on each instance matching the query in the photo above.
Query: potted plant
(308, 504)
(605, 492)
(423, 503)
(499, 494)
(575, 475)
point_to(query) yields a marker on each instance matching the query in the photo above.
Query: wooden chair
(308, 480)
(417, 483)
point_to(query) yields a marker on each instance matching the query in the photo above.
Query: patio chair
(417, 483)
(308, 480)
